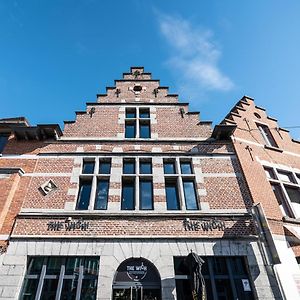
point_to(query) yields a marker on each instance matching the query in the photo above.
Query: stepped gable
(105, 118)
(137, 86)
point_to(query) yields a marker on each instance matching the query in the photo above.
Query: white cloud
(194, 55)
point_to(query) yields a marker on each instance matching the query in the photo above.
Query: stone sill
(273, 148)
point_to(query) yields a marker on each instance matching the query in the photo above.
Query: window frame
(94, 178)
(286, 206)
(180, 178)
(267, 135)
(138, 120)
(136, 177)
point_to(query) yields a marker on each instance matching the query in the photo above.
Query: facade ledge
(61, 213)
(273, 148)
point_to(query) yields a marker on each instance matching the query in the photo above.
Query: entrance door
(136, 293)
(136, 279)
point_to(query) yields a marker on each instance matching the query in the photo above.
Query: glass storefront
(225, 278)
(59, 277)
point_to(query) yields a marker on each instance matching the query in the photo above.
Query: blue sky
(56, 55)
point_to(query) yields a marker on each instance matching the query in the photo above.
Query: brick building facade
(270, 160)
(111, 207)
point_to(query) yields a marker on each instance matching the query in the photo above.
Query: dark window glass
(190, 194)
(130, 130)
(145, 167)
(69, 289)
(130, 113)
(145, 130)
(144, 113)
(169, 167)
(88, 167)
(267, 136)
(29, 289)
(293, 194)
(146, 196)
(129, 166)
(35, 265)
(3, 141)
(285, 176)
(80, 275)
(84, 195)
(101, 194)
(128, 195)
(223, 278)
(104, 167)
(186, 167)
(223, 288)
(270, 173)
(54, 264)
(49, 289)
(172, 196)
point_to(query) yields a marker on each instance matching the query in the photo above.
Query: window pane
(190, 195)
(169, 167)
(130, 130)
(104, 167)
(223, 288)
(101, 194)
(293, 193)
(183, 289)
(145, 168)
(144, 130)
(128, 195)
(69, 289)
(35, 265)
(91, 266)
(267, 136)
(130, 113)
(146, 196)
(144, 113)
(219, 265)
(280, 199)
(72, 265)
(270, 173)
(238, 265)
(84, 195)
(54, 264)
(3, 141)
(285, 176)
(29, 289)
(129, 166)
(49, 289)
(172, 196)
(186, 167)
(88, 167)
(88, 289)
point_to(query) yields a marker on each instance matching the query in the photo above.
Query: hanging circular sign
(136, 272)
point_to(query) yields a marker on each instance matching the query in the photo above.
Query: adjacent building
(110, 207)
(270, 161)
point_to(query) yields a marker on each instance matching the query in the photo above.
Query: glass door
(136, 293)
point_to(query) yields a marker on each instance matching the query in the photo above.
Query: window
(94, 184)
(225, 278)
(180, 184)
(169, 167)
(137, 123)
(128, 194)
(286, 188)
(3, 141)
(267, 135)
(59, 277)
(190, 194)
(137, 184)
(172, 195)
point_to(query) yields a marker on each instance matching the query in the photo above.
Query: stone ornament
(48, 187)
(137, 89)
